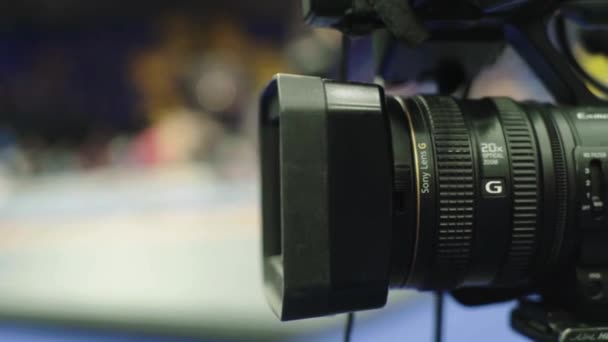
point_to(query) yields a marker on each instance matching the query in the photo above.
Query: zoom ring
(456, 188)
(524, 171)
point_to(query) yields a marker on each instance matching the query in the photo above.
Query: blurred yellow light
(596, 65)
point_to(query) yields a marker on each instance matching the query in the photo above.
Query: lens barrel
(477, 190)
(362, 192)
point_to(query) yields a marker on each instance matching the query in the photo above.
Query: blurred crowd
(172, 89)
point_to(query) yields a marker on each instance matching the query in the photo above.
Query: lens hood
(327, 189)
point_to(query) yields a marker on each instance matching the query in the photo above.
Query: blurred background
(128, 174)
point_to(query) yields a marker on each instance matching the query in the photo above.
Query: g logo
(494, 187)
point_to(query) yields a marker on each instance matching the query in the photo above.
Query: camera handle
(540, 323)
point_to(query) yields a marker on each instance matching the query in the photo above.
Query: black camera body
(490, 199)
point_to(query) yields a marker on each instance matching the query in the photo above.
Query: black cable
(348, 330)
(439, 316)
(344, 59)
(343, 77)
(466, 93)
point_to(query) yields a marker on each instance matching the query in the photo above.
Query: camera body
(490, 199)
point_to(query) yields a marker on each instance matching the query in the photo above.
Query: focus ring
(524, 170)
(456, 189)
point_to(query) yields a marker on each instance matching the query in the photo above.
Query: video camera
(490, 199)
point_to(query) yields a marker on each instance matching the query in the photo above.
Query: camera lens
(478, 192)
(363, 192)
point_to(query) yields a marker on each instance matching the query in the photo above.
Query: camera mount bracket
(541, 323)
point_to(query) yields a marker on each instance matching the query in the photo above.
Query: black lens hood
(327, 189)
